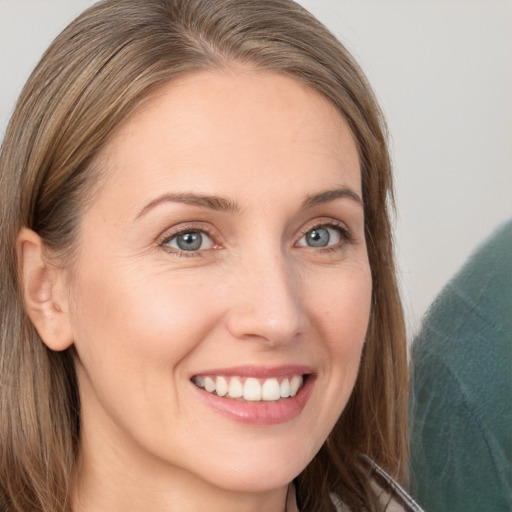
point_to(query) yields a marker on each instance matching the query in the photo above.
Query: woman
(199, 303)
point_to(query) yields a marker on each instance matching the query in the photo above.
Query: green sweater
(461, 396)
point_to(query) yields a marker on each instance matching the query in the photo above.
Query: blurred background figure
(461, 400)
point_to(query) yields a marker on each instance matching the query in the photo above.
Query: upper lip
(259, 372)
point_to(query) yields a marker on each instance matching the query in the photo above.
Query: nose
(267, 302)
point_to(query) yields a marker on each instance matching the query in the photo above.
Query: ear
(44, 292)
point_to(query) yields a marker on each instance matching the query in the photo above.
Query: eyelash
(180, 253)
(345, 234)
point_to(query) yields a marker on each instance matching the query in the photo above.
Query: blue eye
(189, 241)
(321, 236)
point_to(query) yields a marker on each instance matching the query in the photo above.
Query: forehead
(230, 131)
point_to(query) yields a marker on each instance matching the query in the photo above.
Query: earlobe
(44, 292)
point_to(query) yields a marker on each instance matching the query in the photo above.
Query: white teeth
(252, 390)
(295, 384)
(221, 386)
(285, 388)
(235, 389)
(209, 384)
(271, 390)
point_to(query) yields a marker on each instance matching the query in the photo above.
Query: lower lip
(261, 413)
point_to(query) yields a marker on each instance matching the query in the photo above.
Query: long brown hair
(102, 67)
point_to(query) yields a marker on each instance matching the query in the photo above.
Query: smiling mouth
(250, 389)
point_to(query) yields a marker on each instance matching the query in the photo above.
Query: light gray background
(442, 70)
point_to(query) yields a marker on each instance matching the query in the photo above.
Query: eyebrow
(331, 195)
(204, 201)
(226, 205)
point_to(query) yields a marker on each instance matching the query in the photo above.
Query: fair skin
(226, 242)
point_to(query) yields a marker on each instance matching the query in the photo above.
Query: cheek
(134, 334)
(132, 322)
(342, 309)
(341, 316)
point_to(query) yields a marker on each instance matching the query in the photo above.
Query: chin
(260, 468)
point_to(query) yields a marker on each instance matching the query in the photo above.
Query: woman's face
(223, 255)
